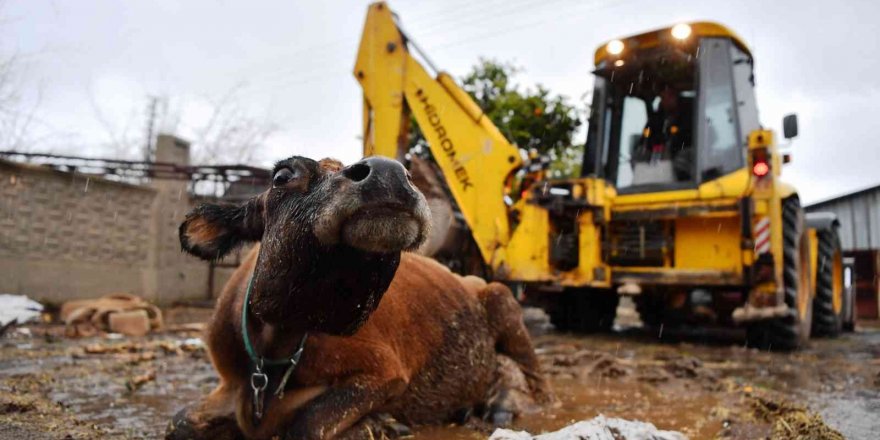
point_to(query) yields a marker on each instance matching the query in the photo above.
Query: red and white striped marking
(762, 236)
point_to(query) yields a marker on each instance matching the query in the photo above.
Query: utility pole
(149, 154)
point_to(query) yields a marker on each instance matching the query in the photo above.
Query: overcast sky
(90, 66)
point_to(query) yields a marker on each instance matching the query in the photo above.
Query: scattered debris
(684, 367)
(17, 310)
(119, 313)
(5, 327)
(168, 347)
(16, 404)
(138, 381)
(608, 366)
(790, 421)
(195, 327)
(192, 344)
(139, 358)
(598, 428)
(654, 376)
(537, 321)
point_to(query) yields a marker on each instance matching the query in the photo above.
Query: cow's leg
(341, 408)
(512, 339)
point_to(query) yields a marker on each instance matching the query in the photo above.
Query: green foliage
(529, 118)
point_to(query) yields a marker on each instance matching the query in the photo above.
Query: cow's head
(331, 239)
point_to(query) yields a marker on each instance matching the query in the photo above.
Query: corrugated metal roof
(859, 215)
(844, 196)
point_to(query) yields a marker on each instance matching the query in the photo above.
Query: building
(859, 215)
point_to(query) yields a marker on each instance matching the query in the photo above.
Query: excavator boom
(467, 146)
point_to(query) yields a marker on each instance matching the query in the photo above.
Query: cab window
(721, 151)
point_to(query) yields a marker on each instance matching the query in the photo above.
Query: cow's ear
(211, 231)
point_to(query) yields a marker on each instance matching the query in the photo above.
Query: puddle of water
(856, 417)
(665, 408)
(93, 387)
(580, 400)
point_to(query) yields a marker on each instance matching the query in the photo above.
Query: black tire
(791, 331)
(650, 309)
(654, 311)
(583, 310)
(829, 271)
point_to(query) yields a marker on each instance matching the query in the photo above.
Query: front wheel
(792, 330)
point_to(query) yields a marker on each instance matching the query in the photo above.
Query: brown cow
(331, 247)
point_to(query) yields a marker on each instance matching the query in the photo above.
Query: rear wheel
(792, 330)
(828, 302)
(583, 310)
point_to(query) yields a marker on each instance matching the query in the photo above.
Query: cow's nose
(357, 172)
(373, 169)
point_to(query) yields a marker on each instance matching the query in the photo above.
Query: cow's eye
(284, 176)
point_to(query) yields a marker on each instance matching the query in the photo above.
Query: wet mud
(702, 384)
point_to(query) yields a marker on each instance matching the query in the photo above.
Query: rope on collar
(259, 379)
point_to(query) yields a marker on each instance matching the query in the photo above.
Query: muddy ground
(704, 384)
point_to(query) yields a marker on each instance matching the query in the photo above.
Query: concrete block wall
(66, 235)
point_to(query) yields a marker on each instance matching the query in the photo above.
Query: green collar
(259, 361)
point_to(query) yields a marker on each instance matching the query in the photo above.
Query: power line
(452, 14)
(315, 76)
(509, 29)
(490, 13)
(437, 26)
(287, 84)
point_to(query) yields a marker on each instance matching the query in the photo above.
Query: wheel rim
(837, 283)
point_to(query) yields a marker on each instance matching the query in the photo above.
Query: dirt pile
(790, 421)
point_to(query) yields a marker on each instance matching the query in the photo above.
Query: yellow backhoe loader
(680, 202)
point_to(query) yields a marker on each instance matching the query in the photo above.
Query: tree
(529, 118)
(221, 130)
(231, 134)
(17, 113)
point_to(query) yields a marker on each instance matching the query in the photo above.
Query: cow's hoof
(396, 429)
(388, 427)
(377, 427)
(462, 415)
(180, 427)
(501, 418)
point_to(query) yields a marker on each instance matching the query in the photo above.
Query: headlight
(614, 47)
(681, 31)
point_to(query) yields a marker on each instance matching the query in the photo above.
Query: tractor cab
(672, 109)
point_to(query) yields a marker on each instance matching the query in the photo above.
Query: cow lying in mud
(303, 345)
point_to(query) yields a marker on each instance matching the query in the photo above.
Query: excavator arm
(475, 158)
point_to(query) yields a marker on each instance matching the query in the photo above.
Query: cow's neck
(329, 291)
(274, 342)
